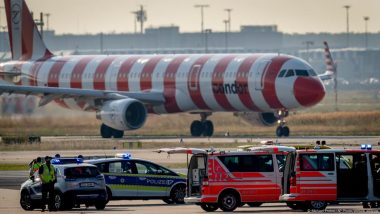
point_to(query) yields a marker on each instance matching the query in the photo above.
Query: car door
(153, 180)
(317, 178)
(120, 177)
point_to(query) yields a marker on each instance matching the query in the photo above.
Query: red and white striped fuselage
(190, 83)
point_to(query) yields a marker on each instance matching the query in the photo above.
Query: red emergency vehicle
(227, 180)
(313, 178)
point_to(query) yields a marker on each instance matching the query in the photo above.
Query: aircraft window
(282, 73)
(290, 73)
(302, 73)
(312, 72)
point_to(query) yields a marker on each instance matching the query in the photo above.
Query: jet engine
(254, 118)
(124, 114)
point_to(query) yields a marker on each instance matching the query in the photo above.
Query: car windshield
(81, 172)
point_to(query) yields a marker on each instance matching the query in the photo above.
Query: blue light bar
(125, 156)
(366, 146)
(55, 161)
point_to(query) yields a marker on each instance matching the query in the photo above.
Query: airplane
(123, 89)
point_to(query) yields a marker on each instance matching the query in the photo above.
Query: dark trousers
(45, 189)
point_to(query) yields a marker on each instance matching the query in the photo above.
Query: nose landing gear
(203, 127)
(282, 129)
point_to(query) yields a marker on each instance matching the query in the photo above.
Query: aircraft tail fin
(25, 40)
(330, 65)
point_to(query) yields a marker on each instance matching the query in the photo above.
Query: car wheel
(209, 207)
(318, 205)
(228, 202)
(25, 201)
(109, 195)
(177, 194)
(168, 200)
(100, 205)
(254, 204)
(58, 201)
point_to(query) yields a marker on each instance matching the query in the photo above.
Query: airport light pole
(47, 15)
(135, 13)
(347, 7)
(226, 22)
(366, 19)
(206, 33)
(228, 10)
(202, 6)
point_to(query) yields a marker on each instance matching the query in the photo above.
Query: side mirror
(293, 174)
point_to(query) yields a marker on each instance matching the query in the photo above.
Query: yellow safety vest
(36, 166)
(47, 175)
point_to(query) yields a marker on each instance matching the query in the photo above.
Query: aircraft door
(193, 79)
(260, 73)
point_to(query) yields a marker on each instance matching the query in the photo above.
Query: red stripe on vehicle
(269, 78)
(146, 73)
(100, 73)
(34, 72)
(27, 26)
(76, 74)
(242, 76)
(171, 105)
(55, 72)
(193, 82)
(219, 89)
(122, 76)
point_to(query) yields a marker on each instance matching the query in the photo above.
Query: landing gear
(108, 132)
(203, 127)
(282, 129)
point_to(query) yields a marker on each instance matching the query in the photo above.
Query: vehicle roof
(337, 150)
(73, 165)
(93, 161)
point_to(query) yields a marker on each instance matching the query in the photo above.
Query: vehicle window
(302, 73)
(103, 167)
(312, 72)
(81, 172)
(375, 162)
(121, 167)
(152, 169)
(290, 73)
(282, 73)
(317, 162)
(248, 163)
(281, 162)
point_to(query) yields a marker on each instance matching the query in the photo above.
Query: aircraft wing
(49, 94)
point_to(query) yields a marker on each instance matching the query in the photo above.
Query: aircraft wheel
(285, 131)
(208, 128)
(106, 131)
(196, 128)
(279, 132)
(117, 133)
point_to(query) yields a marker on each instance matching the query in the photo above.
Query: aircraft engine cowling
(124, 114)
(254, 118)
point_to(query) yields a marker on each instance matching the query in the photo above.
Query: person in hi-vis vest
(48, 178)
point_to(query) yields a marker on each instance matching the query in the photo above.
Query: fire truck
(226, 180)
(314, 178)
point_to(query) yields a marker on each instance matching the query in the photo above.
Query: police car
(77, 183)
(128, 178)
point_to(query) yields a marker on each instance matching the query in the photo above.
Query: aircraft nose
(308, 91)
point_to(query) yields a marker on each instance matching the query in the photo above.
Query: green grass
(13, 167)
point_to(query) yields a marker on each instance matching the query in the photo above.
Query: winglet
(25, 39)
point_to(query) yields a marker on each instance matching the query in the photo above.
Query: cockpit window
(282, 73)
(302, 73)
(312, 72)
(290, 73)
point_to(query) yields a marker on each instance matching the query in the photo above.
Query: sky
(291, 16)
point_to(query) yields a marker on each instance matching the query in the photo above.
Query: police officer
(48, 178)
(35, 167)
